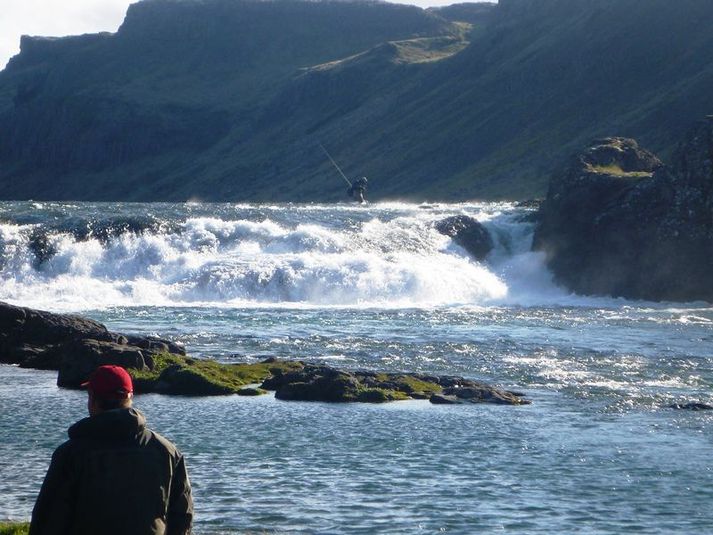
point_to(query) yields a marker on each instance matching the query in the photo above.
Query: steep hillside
(541, 79)
(229, 99)
(126, 115)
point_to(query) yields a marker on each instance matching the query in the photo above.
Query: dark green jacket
(114, 477)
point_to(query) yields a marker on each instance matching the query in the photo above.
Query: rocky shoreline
(75, 346)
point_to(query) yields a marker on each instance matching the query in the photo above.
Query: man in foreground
(114, 476)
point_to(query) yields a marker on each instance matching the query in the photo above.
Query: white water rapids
(385, 255)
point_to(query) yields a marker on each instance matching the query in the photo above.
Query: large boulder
(79, 359)
(480, 393)
(19, 325)
(468, 233)
(317, 383)
(73, 345)
(186, 381)
(618, 222)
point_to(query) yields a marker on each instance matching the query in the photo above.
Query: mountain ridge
(229, 100)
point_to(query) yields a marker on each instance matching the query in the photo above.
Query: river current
(599, 450)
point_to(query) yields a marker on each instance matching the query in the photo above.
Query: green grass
(14, 528)
(616, 170)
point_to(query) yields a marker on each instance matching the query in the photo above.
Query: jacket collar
(114, 424)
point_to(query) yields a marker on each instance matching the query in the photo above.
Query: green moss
(380, 395)
(143, 379)
(175, 374)
(416, 385)
(14, 528)
(405, 386)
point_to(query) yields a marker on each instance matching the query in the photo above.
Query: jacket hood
(112, 425)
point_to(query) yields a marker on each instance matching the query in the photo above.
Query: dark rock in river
(76, 346)
(247, 391)
(468, 233)
(479, 393)
(692, 406)
(476, 393)
(442, 399)
(181, 380)
(618, 222)
(83, 229)
(23, 326)
(80, 358)
(71, 344)
(322, 383)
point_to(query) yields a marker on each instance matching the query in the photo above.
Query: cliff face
(135, 114)
(228, 99)
(618, 222)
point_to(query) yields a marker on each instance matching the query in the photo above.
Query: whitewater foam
(386, 255)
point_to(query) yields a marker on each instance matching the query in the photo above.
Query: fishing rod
(335, 165)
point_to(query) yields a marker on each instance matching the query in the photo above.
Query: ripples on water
(598, 451)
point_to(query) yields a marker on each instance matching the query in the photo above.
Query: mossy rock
(175, 374)
(194, 382)
(14, 528)
(412, 386)
(297, 381)
(379, 395)
(251, 392)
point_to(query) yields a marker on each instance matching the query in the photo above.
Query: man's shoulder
(65, 448)
(163, 443)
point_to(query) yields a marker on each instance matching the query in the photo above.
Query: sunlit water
(598, 451)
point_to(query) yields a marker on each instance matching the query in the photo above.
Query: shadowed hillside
(229, 99)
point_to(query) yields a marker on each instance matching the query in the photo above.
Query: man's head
(109, 387)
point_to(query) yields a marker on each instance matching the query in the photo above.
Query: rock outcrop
(73, 345)
(470, 392)
(468, 233)
(323, 383)
(618, 222)
(692, 406)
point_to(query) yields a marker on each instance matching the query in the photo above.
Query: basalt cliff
(228, 100)
(619, 222)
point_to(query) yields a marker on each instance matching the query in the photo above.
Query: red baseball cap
(110, 382)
